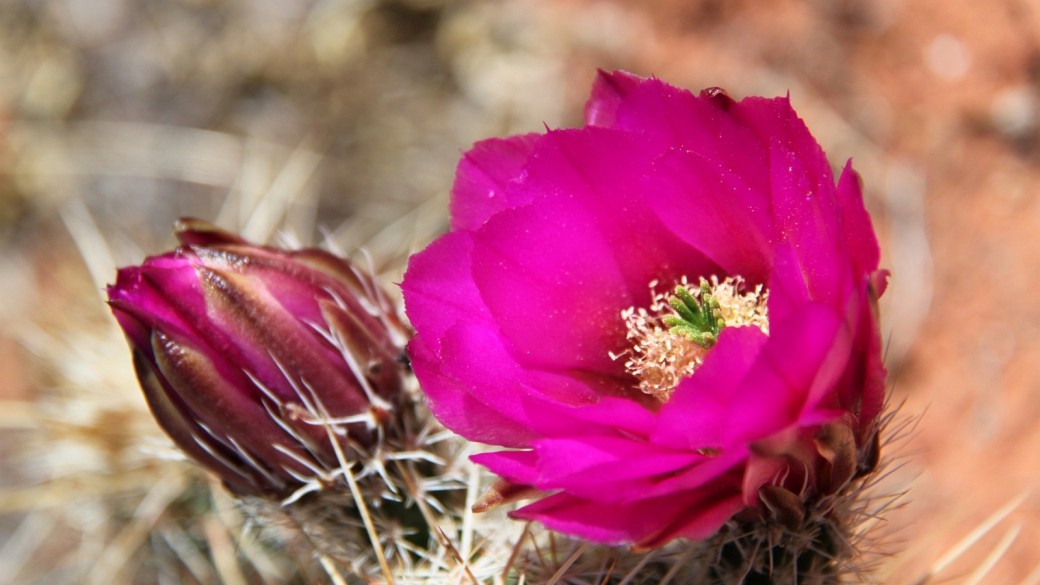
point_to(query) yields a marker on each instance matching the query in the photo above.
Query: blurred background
(340, 122)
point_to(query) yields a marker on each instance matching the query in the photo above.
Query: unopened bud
(254, 360)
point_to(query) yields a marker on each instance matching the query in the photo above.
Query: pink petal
(181, 425)
(553, 286)
(859, 232)
(862, 388)
(675, 118)
(606, 523)
(873, 367)
(732, 457)
(518, 467)
(540, 400)
(715, 212)
(605, 172)
(608, 91)
(759, 472)
(627, 415)
(590, 460)
(165, 292)
(787, 289)
(693, 417)
(439, 290)
(775, 120)
(482, 179)
(819, 417)
(772, 394)
(280, 350)
(809, 220)
(164, 287)
(188, 371)
(788, 459)
(700, 520)
(879, 280)
(460, 411)
(822, 393)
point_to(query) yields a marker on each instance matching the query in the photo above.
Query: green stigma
(700, 321)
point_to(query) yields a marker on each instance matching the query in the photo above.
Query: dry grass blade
(188, 554)
(18, 415)
(567, 564)
(458, 558)
(285, 189)
(92, 245)
(472, 489)
(223, 551)
(226, 509)
(610, 570)
(1033, 578)
(359, 501)
(30, 533)
(332, 570)
(676, 566)
(409, 476)
(111, 563)
(973, 537)
(516, 550)
(635, 570)
(994, 557)
(58, 493)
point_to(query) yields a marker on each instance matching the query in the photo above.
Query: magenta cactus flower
(667, 316)
(248, 355)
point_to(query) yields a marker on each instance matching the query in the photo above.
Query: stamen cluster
(670, 340)
(739, 309)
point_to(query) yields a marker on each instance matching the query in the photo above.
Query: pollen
(739, 309)
(669, 339)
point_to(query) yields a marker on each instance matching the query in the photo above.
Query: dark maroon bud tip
(195, 232)
(717, 97)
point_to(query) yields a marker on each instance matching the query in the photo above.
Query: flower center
(669, 341)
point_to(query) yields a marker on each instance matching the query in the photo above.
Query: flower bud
(248, 356)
